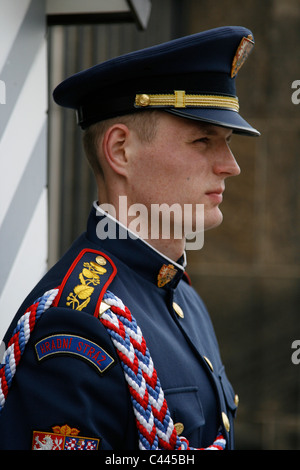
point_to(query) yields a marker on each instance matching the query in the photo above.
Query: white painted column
(23, 152)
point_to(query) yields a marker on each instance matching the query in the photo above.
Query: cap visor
(217, 117)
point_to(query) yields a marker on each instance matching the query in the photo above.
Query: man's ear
(115, 144)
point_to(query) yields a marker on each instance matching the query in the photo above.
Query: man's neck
(172, 248)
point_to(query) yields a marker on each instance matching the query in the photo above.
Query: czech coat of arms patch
(63, 438)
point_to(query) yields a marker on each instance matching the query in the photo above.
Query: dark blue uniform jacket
(67, 389)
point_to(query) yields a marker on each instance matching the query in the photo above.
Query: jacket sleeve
(69, 374)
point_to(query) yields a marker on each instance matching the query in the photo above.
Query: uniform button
(236, 400)
(178, 310)
(209, 363)
(225, 421)
(179, 428)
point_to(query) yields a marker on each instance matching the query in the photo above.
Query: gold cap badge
(245, 47)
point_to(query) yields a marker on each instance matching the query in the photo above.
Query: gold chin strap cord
(181, 100)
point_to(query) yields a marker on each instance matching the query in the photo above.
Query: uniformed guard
(114, 349)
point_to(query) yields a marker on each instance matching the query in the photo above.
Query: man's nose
(226, 163)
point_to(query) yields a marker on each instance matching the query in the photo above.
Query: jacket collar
(133, 251)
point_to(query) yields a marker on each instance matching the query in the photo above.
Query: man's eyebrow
(210, 129)
(206, 127)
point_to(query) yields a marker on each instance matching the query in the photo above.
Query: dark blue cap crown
(192, 77)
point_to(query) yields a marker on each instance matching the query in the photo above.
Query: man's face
(187, 163)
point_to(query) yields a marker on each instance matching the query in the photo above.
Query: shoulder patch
(73, 345)
(86, 281)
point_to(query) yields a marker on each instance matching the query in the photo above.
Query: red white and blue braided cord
(19, 339)
(155, 426)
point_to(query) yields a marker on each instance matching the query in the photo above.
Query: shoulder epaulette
(86, 281)
(82, 288)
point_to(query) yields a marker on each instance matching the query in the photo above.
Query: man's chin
(211, 222)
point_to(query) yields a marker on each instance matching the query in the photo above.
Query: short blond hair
(144, 123)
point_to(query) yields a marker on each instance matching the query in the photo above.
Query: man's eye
(202, 140)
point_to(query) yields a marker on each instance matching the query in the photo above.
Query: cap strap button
(142, 100)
